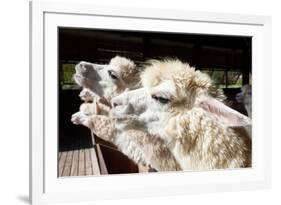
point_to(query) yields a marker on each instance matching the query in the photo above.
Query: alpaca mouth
(80, 80)
(122, 112)
(125, 119)
(77, 79)
(87, 82)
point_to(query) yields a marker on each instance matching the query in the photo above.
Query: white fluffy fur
(98, 88)
(178, 104)
(98, 77)
(138, 145)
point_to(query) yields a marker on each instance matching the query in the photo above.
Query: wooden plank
(81, 164)
(88, 164)
(75, 161)
(102, 164)
(62, 162)
(67, 165)
(94, 161)
(93, 138)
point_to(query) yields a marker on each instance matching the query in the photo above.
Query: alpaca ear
(223, 113)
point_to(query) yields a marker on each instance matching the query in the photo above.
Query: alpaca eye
(111, 74)
(160, 99)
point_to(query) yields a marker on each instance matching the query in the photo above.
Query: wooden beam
(75, 162)
(102, 164)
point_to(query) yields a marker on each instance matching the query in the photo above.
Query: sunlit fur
(188, 81)
(190, 123)
(95, 77)
(98, 87)
(137, 145)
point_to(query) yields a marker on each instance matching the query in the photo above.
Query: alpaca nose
(89, 70)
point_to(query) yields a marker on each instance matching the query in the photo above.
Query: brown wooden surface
(94, 160)
(88, 163)
(67, 164)
(80, 162)
(75, 162)
(102, 164)
(79, 156)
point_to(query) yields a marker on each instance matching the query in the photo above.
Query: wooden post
(247, 65)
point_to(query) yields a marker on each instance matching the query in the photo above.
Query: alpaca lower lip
(123, 117)
(78, 79)
(116, 110)
(119, 111)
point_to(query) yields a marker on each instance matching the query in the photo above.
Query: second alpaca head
(106, 80)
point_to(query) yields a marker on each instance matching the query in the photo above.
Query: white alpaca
(107, 80)
(102, 82)
(245, 97)
(175, 104)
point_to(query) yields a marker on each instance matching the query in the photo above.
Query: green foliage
(234, 78)
(67, 81)
(218, 77)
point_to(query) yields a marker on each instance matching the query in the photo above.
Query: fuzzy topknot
(184, 76)
(128, 69)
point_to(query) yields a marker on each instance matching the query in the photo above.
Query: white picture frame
(45, 186)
